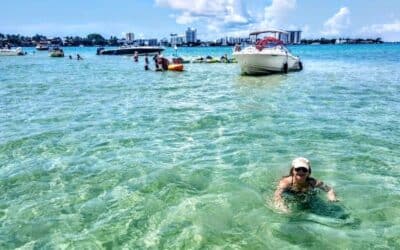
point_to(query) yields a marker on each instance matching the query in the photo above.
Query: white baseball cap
(301, 162)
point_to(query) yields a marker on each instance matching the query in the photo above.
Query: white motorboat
(12, 52)
(42, 46)
(267, 55)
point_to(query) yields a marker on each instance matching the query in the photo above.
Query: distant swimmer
(237, 47)
(224, 58)
(136, 56)
(70, 57)
(299, 183)
(146, 62)
(78, 57)
(155, 59)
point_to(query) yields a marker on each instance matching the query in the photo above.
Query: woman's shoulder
(285, 181)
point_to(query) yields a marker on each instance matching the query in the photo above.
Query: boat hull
(42, 47)
(130, 51)
(258, 64)
(11, 52)
(56, 54)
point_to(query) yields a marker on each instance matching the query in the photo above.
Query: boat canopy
(268, 31)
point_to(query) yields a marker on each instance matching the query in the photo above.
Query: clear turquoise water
(102, 154)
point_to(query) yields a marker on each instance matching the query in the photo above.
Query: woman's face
(301, 173)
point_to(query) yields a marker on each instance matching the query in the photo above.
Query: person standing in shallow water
(299, 182)
(155, 59)
(146, 62)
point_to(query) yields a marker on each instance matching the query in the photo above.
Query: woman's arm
(278, 200)
(330, 193)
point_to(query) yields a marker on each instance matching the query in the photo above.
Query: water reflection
(309, 220)
(263, 81)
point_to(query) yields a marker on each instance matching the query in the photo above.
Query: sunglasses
(303, 169)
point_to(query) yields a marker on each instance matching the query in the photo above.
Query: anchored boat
(42, 46)
(267, 55)
(130, 50)
(56, 52)
(12, 52)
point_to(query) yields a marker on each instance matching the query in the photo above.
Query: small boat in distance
(267, 55)
(42, 46)
(130, 50)
(12, 52)
(56, 52)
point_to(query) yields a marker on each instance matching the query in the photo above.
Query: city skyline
(212, 19)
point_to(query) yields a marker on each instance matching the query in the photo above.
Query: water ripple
(102, 154)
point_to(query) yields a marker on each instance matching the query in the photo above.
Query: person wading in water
(299, 183)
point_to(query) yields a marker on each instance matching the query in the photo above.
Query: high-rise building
(176, 39)
(294, 37)
(130, 36)
(191, 35)
(146, 42)
(291, 37)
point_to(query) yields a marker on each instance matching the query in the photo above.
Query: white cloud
(199, 7)
(230, 17)
(277, 12)
(337, 23)
(217, 13)
(382, 28)
(213, 27)
(186, 18)
(389, 31)
(305, 31)
(234, 11)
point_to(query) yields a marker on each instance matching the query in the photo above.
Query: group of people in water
(160, 63)
(78, 57)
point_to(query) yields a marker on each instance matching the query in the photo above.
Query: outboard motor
(99, 50)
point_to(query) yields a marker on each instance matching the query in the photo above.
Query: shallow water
(102, 154)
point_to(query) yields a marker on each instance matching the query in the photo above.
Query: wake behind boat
(130, 50)
(266, 56)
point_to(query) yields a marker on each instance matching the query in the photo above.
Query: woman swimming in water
(299, 183)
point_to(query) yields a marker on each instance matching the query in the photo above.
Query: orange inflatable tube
(175, 67)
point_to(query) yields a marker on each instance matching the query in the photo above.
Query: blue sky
(212, 18)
